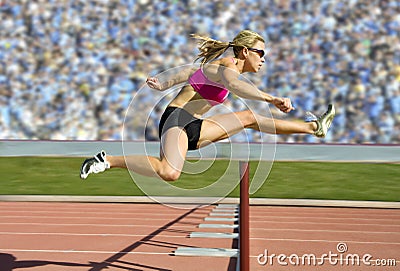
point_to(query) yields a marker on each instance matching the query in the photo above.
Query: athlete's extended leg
(225, 125)
(168, 166)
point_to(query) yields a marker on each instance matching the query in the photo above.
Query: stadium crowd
(69, 68)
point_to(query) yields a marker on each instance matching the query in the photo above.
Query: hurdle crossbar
(244, 236)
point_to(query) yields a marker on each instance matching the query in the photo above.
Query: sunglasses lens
(261, 53)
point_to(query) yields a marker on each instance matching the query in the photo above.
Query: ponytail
(210, 49)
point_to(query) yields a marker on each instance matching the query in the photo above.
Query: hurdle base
(214, 235)
(212, 252)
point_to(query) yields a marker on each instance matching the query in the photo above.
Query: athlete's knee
(169, 174)
(247, 118)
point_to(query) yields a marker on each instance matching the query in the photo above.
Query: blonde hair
(211, 49)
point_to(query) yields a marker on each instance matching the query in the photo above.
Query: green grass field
(298, 180)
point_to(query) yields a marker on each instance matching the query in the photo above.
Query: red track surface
(94, 236)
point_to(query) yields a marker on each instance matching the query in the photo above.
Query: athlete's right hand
(153, 83)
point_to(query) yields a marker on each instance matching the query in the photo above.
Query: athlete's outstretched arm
(180, 77)
(230, 78)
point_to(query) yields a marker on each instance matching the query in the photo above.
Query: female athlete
(182, 127)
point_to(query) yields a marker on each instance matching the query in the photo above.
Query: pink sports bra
(214, 93)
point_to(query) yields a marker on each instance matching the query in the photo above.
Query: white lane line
(99, 225)
(342, 222)
(100, 213)
(186, 226)
(170, 236)
(321, 218)
(330, 231)
(323, 223)
(324, 211)
(132, 215)
(92, 234)
(185, 235)
(91, 217)
(83, 251)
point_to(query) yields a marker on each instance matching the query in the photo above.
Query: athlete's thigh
(174, 146)
(222, 126)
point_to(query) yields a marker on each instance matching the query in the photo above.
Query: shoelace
(98, 167)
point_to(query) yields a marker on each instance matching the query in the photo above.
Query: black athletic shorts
(178, 117)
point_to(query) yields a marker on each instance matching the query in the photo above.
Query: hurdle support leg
(243, 252)
(244, 236)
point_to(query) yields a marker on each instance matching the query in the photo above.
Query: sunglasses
(261, 53)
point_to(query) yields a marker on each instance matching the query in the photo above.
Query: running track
(108, 236)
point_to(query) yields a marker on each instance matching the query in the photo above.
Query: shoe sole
(82, 174)
(331, 112)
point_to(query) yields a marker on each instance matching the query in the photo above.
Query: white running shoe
(95, 165)
(325, 121)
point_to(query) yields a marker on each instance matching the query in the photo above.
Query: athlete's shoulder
(228, 61)
(225, 61)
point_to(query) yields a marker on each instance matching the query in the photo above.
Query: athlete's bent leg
(168, 166)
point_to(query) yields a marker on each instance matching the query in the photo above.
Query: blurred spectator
(69, 68)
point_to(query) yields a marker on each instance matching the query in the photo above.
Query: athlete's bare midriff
(191, 101)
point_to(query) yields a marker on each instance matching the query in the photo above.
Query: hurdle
(243, 251)
(244, 224)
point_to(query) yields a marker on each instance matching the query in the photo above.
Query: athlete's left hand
(153, 83)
